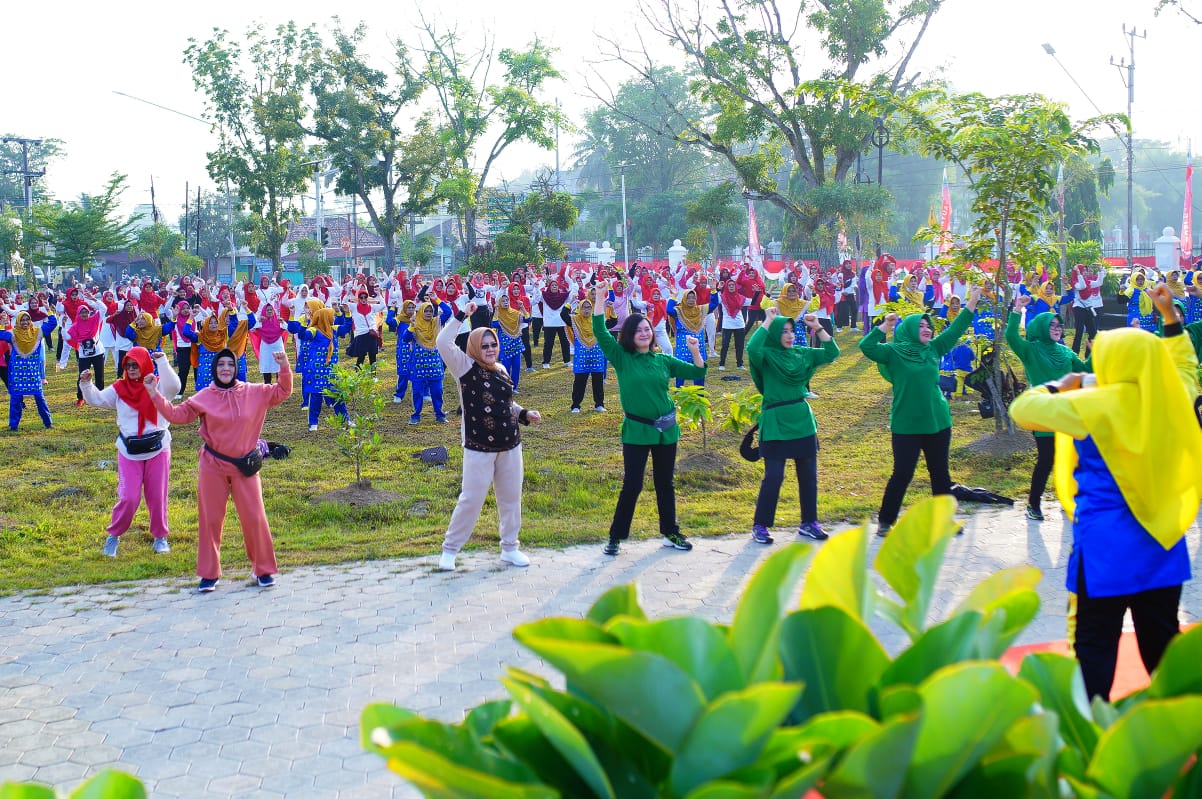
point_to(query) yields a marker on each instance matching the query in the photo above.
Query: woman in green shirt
(782, 373)
(1045, 359)
(920, 419)
(649, 417)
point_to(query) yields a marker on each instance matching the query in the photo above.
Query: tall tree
(372, 133)
(482, 115)
(80, 231)
(715, 208)
(255, 87)
(12, 164)
(768, 108)
(214, 227)
(157, 243)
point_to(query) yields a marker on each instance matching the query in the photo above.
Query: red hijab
(133, 392)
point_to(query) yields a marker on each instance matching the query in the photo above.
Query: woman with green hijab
(919, 419)
(1045, 359)
(782, 373)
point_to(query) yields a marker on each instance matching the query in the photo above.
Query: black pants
(755, 315)
(526, 349)
(553, 333)
(739, 336)
(634, 463)
(845, 313)
(121, 362)
(1045, 447)
(578, 383)
(183, 365)
(267, 377)
(1083, 319)
(1100, 626)
(96, 364)
(906, 449)
(58, 347)
(807, 488)
(4, 376)
(827, 326)
(536, 327)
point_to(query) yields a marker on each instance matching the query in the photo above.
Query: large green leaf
(839, 575)
(834, 655)
(1009, 591)
(721, 789)
(838, 730)
(967, 709)
(951, 641)
(798, 782)
(453, 743)
(753, 634)
(439, 778)
(1178, 673)
(1143, 752)
(1062, 691)
(380, 714)
(647, 691)
(25, 790)
(482, 718)
(521, 738)
(909, 559)
(564, 629)
(109, 785)
(621, 600)
(1021, 764)
(896, 700)
(692, 643)
(731, 734)
(875, 766)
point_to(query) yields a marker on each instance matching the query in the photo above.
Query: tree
(12, 163)
(1009, 148)
(473, 106)
(157, 243)
(255, 91)
(1161, 5)
(542, 211)
(714, 208)
(418, 250)
(764, 113)
(80, 231)
(214, 228)
(360, 118)
(697, 240)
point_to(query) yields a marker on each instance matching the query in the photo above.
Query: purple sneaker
(813, 530)
(760, 535)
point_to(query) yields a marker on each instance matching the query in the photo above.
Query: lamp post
(625, 227)
(880, 140)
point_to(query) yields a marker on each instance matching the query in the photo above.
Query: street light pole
(880, 140)
(1129, 66)
(625, 228)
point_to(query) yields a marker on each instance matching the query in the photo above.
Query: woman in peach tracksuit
(231, 414)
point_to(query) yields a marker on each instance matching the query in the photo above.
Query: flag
(945, 216)
(1187, 215)
(754, 253)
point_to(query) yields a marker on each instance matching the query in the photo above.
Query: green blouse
(643, 386)
(783, 375)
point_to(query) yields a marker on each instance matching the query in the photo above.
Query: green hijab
(1049, 359)
(788, 362)
(906, 344)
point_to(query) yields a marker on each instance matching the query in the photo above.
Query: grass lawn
(60, 484)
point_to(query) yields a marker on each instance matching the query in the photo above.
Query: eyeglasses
(484, 346)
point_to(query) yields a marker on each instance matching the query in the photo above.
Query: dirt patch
(702, 470)
(1001, 445)
(359, 497)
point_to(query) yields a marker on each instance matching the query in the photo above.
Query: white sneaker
(599, 409)
(177, 396)
(397, 400)
(312, 428)
(575, 410)
(161, 547)
(546, 366)
(721, 368)
(515, 557)
(446, 562)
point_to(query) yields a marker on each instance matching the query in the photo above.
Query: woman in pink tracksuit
(231, 414)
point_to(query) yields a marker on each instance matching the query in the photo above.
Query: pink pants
(135, 478)
(216, 482)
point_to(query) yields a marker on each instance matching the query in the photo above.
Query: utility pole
(26, 175)
(1128, 64)
(197, 223)
(626, 229)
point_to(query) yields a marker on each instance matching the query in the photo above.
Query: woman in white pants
(492, 445)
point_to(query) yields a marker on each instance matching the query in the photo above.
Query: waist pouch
(142, 445)
(662, 424)
(249, 464)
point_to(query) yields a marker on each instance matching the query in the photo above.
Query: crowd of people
(656, 326)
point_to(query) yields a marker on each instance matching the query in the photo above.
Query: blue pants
(427, 388)
(680, 382)
(402, 384)
(513, 365)
(242, 368)
(315, 401)
(16, 406)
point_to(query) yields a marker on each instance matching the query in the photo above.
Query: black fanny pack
(662, 424)
(142, 445)
(249, 464)
(783, 403)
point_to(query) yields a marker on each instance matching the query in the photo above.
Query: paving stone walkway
(247, 693)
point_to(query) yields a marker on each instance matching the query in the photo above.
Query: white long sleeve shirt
(127, 416)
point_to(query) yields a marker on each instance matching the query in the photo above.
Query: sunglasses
(485, 346)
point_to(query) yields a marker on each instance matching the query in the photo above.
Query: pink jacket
(231, 419)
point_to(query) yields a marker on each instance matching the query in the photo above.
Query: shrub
(778, 703)
(694, 410)
(357, 437)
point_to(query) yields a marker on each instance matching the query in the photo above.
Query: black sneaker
(611, 548)
(760, 534)
(677, 541)
(813, 530)
(265, 580)
(882, 530)
(1034, 513)
(206, 586)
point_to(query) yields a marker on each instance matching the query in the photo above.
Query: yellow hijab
(790, 307)
(1142, 420)
(425, 331)
(26, 340)
(322, 320)
(510, 318)
(150, 335)
(691, 316)
(215, 340)
(582, 323)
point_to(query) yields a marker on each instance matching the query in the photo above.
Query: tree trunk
(469, 230)
(999, 406)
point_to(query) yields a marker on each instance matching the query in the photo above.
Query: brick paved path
(249, 693)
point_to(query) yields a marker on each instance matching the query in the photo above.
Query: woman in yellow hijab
(1129, 473)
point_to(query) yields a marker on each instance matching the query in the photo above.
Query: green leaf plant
(789, 702)
(694, 409)
(358, 389)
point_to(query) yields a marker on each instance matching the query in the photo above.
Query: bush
(357, 437)
(694, 410)
(779, 703)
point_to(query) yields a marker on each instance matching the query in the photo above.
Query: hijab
(149, 335)
(1141, 418)
(133, 392)
(1050, 358)
(476, 352)
(425, 331)
(83, 329)
(26, 340)
(123, 318)
(906, 344)
(405, 314)
(790, 307)
(322, 321)
(509, 317)
(270, 329)
(237, 339)
(215, 340)
(582, 324)
(788, 362)
(225, 353)
(692, 316)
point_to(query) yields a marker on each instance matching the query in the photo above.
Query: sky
(82, 53)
